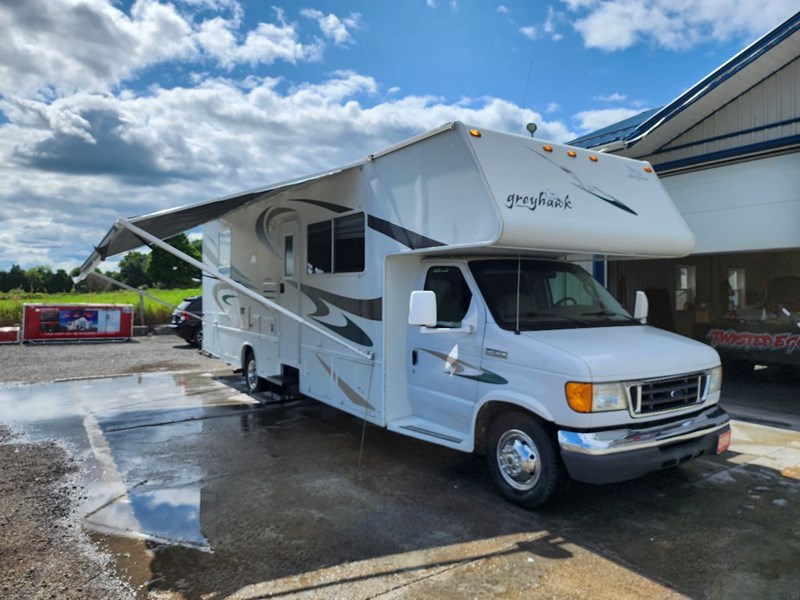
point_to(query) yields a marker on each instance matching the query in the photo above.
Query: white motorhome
(432, 289)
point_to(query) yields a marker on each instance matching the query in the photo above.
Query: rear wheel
(255, 384)
(524, 460)
(197, 336)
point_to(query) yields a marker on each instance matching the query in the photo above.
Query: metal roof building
(728, 152)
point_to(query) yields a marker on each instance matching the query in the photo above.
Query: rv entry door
(289, 292)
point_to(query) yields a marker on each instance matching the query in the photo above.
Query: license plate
(723, 441)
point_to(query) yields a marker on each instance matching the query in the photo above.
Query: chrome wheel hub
(518, 459)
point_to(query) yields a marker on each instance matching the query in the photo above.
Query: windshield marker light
(648, 169)
(592, 158)
(571, 153)
(547, 148)
(474, 133)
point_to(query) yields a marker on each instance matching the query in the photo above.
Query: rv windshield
(552, 295)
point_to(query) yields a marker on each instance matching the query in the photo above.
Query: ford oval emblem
(676, 394)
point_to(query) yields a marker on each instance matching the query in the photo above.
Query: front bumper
(620, 454)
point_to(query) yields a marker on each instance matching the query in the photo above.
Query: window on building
(337, 246)
(736, 294)
(452, 295)
(686, 287)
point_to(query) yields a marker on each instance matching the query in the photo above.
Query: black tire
(197, 336)
(255, 384)
(524, 460)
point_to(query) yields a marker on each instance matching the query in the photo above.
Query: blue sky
(114, 109)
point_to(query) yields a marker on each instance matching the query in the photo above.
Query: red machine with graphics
(77, 322)
(766, 334)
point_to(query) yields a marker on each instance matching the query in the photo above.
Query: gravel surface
(38, 363)
(44, 551)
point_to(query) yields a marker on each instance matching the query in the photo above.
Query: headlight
(715, 380)
(588, 397)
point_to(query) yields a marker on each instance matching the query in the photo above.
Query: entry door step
(286, 387)
(422, 429)
(283, 380)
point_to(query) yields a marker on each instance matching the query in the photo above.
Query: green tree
(133, 269)
(60, 282)
(168, 271)
(16, 279)
(38, 278)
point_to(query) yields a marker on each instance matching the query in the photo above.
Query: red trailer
(77, 322)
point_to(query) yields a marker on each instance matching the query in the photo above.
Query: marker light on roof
(648, 169)
(474, 133)
(547, 148)
(592, 158)
(571, 153)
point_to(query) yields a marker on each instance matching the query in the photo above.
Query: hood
(631, 352)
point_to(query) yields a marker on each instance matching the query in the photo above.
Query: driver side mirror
(422, 308)
(641, 307)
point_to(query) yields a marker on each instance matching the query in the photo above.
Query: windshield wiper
(607, 313)
(566, 317)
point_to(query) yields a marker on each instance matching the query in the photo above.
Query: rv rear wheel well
(489, 412)
(246, 352)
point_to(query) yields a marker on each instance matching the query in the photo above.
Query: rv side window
(224, 240)
(348, 244)
(288, 256)
(452, 295)
(320, 245)
(336, 246)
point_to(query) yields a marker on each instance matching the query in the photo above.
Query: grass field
(154, 312)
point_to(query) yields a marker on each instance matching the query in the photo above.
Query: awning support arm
(142, 234)
(138, 291)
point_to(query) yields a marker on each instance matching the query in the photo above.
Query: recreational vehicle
(436, 289)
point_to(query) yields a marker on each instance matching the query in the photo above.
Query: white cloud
(56, 48)
(591, 120)
(615, 97)
(71, 166)
(333, 27)
(529, 32)
(552, 107)
(504, 10)
(673, 24)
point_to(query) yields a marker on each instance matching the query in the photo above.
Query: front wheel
(255, 384)
(524, 460)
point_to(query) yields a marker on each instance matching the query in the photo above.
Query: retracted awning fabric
(167, 223)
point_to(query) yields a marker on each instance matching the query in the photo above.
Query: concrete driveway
(199, 492)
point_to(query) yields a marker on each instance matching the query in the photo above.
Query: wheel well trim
(246, 347)
(494, 403)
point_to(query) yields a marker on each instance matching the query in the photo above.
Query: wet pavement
(200, 492)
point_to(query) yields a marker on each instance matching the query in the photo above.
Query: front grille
(660, 395)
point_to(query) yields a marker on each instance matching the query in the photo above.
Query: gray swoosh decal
(587, 187)
(322, 204)
(348, 391)
(457, 367)
(371, 308)
(349, 331)
(405, 236)
(262, 226)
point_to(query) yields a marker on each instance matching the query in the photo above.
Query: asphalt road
(191, 489)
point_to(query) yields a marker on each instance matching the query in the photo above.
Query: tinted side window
(320, 238)
(453, 295)
(348, 244)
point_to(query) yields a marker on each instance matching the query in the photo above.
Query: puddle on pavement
(115, 427)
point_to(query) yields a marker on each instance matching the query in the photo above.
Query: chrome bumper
(600, 443)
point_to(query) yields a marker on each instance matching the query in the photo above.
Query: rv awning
(167, 223)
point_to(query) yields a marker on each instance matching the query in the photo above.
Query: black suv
(185, 324)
